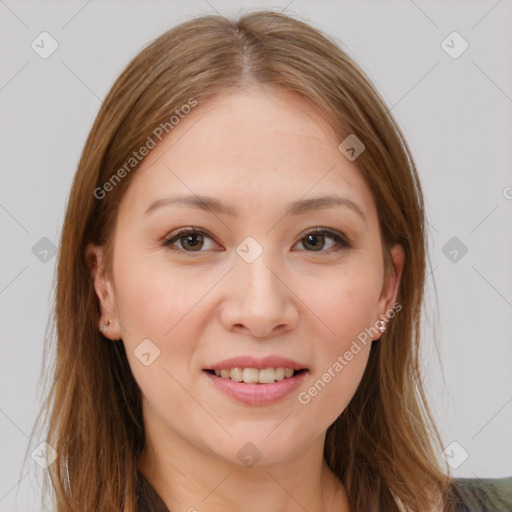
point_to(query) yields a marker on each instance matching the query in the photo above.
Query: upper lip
(272, 361)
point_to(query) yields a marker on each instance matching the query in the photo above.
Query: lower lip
(258, 394)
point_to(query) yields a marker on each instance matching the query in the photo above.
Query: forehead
(250, 147)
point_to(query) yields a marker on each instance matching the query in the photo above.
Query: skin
(257, 150)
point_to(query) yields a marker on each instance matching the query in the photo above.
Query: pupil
(309, 237)
(192, 237)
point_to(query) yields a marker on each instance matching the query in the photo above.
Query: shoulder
(147, 498)
(483, 494)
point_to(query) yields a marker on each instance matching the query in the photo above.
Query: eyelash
(338, 238)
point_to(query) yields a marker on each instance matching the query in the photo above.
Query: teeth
(266, 375)
(253, 375)
(236, 374)
(250, 375)
(279, 373)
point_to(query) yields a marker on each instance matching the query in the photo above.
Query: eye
(193, 240)
(190, 239)
(315, 238)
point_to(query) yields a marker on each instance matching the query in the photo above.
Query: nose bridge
(256, 269)
(258, 299)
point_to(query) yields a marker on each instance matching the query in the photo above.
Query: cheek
(157, 304)
(153, 299)
(346, 305)
(334, 384)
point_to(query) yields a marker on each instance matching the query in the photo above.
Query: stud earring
(105, 325)
(382, 326)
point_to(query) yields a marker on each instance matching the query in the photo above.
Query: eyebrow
(296, 208)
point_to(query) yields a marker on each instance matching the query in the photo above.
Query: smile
(257, 393)
(255, 375)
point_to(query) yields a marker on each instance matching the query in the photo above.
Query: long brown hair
(385, 441)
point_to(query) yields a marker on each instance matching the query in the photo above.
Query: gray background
(456, 115)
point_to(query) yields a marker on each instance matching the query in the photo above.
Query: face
(263, 274)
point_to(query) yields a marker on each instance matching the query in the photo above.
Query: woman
(239, 289)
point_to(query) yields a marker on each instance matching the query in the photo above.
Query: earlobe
(106, 324)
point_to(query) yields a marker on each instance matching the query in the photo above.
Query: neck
(189, 479)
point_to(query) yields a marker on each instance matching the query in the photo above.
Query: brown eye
(190, 240)
(314, 241)
(194, 240)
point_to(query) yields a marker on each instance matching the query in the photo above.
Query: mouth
(261, 376)
(256, 386)
(256, 381)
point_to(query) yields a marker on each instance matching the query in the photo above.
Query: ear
(94, 256)
(391, 283)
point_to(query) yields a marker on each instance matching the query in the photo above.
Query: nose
(258, 301)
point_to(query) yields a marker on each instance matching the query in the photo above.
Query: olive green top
(473, 495)
(484, 494)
